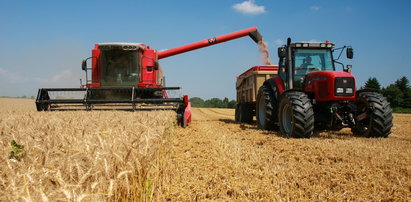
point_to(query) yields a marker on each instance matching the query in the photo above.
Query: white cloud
(315, 8)
(13, 77)
(3, 71)
(249, 7)
(65, 75)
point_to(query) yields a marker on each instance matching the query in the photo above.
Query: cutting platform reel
(114, 98)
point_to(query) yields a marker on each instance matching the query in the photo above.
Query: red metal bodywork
(321, 84)
(148, 76)
(207, 42)
(95, 68)
(279, 83)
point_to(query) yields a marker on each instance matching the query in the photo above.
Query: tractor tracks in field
(212, 155)
(217, 159)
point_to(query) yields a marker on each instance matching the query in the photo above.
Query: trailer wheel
(244, 113)
(378, 122)
(266, 109)
(237, 113)
(296, 115)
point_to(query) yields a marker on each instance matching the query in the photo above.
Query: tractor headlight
(348, 90)
(340, 90)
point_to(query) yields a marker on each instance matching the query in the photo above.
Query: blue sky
(43, 42)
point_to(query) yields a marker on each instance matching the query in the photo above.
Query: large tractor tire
(296, 115)
(266, 109)
(378, 122)
(244, 113)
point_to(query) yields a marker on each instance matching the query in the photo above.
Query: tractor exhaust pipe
(252, 32)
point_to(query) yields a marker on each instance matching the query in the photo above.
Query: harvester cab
(309, 93)
(128, 76)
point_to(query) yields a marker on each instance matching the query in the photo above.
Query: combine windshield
(119, 68)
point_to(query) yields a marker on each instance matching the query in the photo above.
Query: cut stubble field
(112, 155)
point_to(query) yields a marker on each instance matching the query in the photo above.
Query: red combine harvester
(128, 76)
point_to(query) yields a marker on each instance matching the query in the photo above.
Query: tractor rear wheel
(266, 109)
(296, 115)
(378, 122)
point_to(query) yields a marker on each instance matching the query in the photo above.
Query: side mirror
(350, 53)
(84, 65)
(156, 65)
(281, 52)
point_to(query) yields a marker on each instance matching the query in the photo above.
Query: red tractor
(309, 93)
(128, 76)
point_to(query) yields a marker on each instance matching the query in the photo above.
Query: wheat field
(104, 155)
(144, 156)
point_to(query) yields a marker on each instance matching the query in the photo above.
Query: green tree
(214, 102)
(407, 99)
(232, 104)
(197, 102)
(225, 102)
(393, 94)
(403, 84)
(373, 83)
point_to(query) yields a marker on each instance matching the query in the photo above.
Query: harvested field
(109, 155)
(218, 159)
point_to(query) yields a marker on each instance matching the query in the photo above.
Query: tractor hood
(324, 75)
(330, 85)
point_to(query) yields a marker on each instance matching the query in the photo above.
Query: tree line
(397, 93)
(213, 103)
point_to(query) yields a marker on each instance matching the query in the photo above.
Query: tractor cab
(297, 60)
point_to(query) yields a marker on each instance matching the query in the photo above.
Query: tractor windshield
(309, 60)
(313, 60)
(119, 68)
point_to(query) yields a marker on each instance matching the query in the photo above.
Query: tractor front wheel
(378, 115)
(296, 115)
